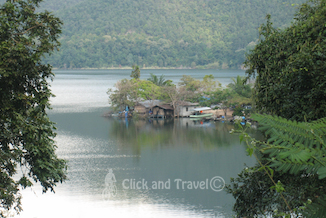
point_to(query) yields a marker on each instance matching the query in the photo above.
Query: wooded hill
(162, 33)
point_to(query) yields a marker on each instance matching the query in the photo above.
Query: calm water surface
(176, 154)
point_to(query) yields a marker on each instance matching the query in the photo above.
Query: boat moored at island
(199, 113)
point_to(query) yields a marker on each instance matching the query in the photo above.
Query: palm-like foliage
(240, 87)
(159, 81)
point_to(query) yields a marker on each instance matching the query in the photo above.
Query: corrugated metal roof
(150, 103)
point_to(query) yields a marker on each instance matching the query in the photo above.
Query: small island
(158, 97)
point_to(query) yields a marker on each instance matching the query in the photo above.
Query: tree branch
(38, 24)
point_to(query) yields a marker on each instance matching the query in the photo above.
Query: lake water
(162, 168)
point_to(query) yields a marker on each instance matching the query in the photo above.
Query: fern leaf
(316, 210)
(294, 142)
(274, 127)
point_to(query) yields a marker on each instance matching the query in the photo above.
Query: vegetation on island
(206, 92)
(289, 65)
(174, 33)
(27, 148)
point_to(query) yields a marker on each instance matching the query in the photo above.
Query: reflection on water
(155, 133)
(143, 150)
(149, 151)
(181, 149)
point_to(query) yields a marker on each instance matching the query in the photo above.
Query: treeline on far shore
(192, 34)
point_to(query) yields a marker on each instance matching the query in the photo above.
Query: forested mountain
(163, 33)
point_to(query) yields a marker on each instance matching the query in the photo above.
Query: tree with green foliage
(240, 87)
(194, 90)
(136, 72)
(125, 94)
(189, 89)
(209, 84)
(159, 81)
(190, 84)
(289, 66)
(226, 97)
(147, 90)
(26, 133)
(130, 92)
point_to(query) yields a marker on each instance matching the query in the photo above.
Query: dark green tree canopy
(289, 66)
(26, 133)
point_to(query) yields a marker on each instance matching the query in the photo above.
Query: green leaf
(250, 151)
(322, 172)
(241, 138)
(278, 187)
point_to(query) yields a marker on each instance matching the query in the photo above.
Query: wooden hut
(162, 111)
(144, 106)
